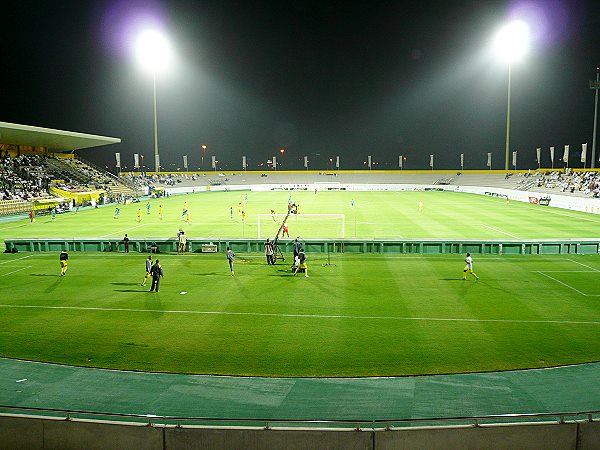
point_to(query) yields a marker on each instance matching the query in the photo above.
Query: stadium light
(203, 151)
(511, 44)
(154, 54)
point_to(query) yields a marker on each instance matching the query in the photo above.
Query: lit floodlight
(512, 41)
(153, 50)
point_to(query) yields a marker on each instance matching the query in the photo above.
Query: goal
(315, 226)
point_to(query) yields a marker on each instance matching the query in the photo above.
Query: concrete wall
(556, 437)
(211, 439)
(33, 433)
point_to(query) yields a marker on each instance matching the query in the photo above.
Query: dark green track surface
(564, 389)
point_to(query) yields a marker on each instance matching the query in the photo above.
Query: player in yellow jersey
(161, 214)
(139, 215)
(148, 269)
(64, 261)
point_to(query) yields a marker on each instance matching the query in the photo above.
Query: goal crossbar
(296, 216)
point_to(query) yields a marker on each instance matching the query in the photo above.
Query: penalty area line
(584, 265)
(14, 271)
(566, 285)
(13, 260)
(305, 316)
(126, 229)
(499, 231)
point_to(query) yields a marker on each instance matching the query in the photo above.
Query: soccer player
(420, 206)
(53, 214)
(184, 214)
(285, 230)
(139, 215)
(161, 214)
(273, 215)
(148, 269)
(148, 208)
(117, 212)
(302, 263)
(469, 268)
(243, 216)
(156, 272)
(32, 216)
(64, 259)
(231, 213)
(182, 241)
(230, 256)
(352, 203)
(188, 218)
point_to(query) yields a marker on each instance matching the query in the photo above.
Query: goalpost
(305, 225)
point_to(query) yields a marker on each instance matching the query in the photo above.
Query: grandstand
(578, 183)
(39, 164)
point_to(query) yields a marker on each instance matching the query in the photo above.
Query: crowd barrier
(372, 246)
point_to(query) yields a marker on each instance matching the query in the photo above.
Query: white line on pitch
(565, 284)
(16, 226)
(499, 231)
(571, 215)
(126, 229)
(584, 265)
(13, 260)
(18, 270)
(303, 316)
(562, 271)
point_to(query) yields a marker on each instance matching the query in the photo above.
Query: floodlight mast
(511, 44)
(153, 52)
(156, 157)
(595, 86)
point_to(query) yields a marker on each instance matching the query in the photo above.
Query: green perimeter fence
(374, 246)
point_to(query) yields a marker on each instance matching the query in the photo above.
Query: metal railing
(269, 423)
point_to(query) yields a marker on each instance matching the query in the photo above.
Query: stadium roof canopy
(55, 140)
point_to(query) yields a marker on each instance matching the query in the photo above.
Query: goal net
(307, 226)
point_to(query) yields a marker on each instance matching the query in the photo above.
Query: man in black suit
(157, 274)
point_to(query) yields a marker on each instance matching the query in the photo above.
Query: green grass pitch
(363, 315)
(374, 215)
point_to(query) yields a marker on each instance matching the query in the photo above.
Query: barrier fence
(35, 428)
(373, 246)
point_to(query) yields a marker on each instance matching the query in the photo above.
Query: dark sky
(320, 78)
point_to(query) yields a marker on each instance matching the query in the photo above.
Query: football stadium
(385, 303)
(326, 258)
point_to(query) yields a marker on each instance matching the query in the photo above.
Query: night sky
(319, 78)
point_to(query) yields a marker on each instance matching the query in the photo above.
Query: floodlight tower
(154, 54)
(511, 44)
(595, 85)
